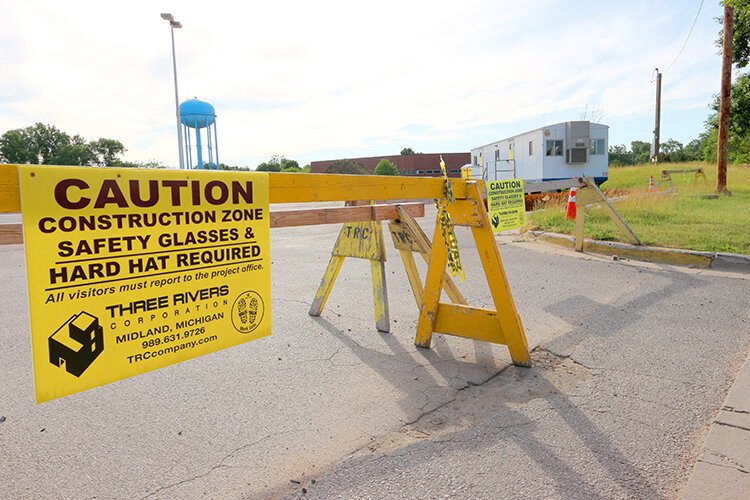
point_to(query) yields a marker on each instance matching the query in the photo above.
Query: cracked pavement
(632, 363)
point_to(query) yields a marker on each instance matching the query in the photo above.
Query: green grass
(681, 219)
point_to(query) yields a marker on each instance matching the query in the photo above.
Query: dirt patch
(549, 375)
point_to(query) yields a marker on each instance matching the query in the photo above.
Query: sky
(335, 79)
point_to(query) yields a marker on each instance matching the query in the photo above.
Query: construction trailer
(559, 151)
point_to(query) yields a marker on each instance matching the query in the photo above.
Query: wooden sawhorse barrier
(587, 193)
(501, 325)
(666, 175)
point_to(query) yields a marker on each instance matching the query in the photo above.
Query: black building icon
(77, 343)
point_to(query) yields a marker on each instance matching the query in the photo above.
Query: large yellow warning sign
(505, 204)
(133, 270)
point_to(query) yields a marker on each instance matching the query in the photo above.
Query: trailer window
(497, 155)
(554, 147)
(531, 148)
(597, 147)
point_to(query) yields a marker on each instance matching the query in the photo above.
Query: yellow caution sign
(133, 270)
(506, 206)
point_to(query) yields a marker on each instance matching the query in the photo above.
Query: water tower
(199, 115)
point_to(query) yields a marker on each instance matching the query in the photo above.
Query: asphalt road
(632, 362)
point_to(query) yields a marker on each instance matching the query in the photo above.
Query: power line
(688, 36)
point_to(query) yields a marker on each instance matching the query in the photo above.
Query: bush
(386, 167)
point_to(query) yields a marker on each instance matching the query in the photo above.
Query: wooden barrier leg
(510, 321)
(432, 289)
(412, 273)
(326, 285)
(612, 213)
(380, 296)
(580, 221)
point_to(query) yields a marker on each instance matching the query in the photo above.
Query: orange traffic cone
(570, 210)
(651, 187)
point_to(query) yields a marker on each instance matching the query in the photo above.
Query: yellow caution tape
(446, 228)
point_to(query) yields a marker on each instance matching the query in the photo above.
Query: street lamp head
(167, 16)
(175, 24)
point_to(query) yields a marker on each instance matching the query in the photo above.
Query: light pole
(172, 25)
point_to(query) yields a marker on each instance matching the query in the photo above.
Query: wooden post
(726, 89)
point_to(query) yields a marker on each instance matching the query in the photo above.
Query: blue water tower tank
(196, 115)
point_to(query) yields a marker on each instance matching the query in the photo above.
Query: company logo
(495, 220)
(247, 311)
(77, 343)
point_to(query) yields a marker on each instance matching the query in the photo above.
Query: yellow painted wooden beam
(10, 192)
(380, 296)
(469, 322)
(415, 282)
(326, 285)
(432, 290)
(302, 188)
(465, 213)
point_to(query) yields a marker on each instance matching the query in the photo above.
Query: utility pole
(726, 89)
(657, 124)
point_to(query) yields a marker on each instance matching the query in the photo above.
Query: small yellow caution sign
(133, 270)
(505, 204)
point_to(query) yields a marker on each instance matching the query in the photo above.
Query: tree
(268, 167)
(14, 147)
(291, 169)
(741, 32)
(47, 145)
(45, 141)
(641, 151)
(286, 163)
(693, 150)
(671, 151)
(739, 124)
(276, 164)
(386, 167)
(307, 168)
(407, 151)
(135, 164)
(620, 156)
(106, 151)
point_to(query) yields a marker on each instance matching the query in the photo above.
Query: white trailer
(559, 151)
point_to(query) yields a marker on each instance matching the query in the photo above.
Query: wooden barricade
(587, 192)
(501, 325)
(666, 175)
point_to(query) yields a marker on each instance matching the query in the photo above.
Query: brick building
(421, 164)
